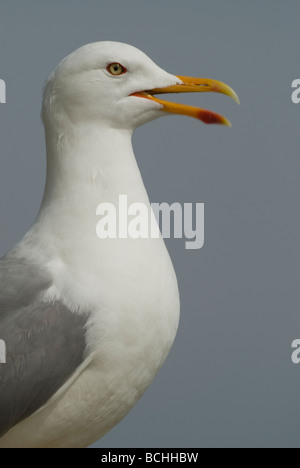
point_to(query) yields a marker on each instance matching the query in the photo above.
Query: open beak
(192, 85)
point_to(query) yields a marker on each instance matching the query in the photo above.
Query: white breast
(130, 334)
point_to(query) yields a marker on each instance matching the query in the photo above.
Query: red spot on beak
(209, 117)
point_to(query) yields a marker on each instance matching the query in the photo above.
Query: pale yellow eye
(116, 69)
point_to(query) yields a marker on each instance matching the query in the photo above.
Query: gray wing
(45, 342)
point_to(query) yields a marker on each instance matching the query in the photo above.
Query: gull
(88, 322)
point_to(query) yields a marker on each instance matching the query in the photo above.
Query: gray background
(229, 380)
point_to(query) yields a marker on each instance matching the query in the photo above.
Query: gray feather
(45, 342)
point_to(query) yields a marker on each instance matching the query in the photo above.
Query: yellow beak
(192, 85)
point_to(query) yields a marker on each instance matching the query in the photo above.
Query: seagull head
(114, 84)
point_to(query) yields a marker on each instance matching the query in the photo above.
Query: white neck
(89, 162)
(86, 167)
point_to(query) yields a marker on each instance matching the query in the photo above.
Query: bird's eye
(116, 69)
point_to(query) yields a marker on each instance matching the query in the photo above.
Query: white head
(96, 82)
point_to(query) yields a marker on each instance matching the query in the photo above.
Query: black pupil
(116, 68)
